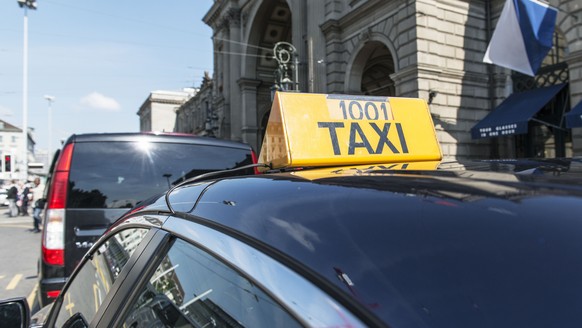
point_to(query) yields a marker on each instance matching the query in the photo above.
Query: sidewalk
(6, 219)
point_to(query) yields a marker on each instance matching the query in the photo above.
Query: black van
(96, 178)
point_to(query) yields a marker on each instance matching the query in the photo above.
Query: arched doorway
(547, 135)
(371, 70)
(271, 24)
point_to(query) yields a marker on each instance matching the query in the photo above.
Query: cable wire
(206, 175)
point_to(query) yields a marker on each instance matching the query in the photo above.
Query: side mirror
(14, 313)
(76, 321)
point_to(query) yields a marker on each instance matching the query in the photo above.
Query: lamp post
(26, 4)
(287, 63)
(50, 100)
(211, 124)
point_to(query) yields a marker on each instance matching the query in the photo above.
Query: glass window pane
(191, 288)
(120, 174)
(93, 281)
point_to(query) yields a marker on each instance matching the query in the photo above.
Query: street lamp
(26, 4)
(286, 56)
(31, 4)
(50, 100)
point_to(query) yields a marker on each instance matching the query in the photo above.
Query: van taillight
(53, 241)
(53, 293)
(53, 256)
(58, 191)
(254, 159)
(64, 163)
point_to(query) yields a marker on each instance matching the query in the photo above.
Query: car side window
(192, 288)
(93, 281)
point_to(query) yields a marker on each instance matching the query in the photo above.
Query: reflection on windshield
(190, 288)
(93, 281)
(121, 174)
(299, 295)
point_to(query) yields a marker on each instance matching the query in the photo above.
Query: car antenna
(206, 175)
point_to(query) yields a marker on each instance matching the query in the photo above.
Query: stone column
(333, 61)
(222, 102)
(234, 74)
(249, 110)
(406, 82)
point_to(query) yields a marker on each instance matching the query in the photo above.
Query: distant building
(430, 49)
(158, 112)
(197, 115)
(11, 148)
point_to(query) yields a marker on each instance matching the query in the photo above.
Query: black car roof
(155, 136)
(418, 247)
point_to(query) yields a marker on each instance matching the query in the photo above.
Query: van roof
(155, 136)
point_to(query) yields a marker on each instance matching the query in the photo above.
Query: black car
(98, 177)
(418, 243)
(492, 247)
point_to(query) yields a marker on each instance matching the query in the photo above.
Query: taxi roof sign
(307, 129)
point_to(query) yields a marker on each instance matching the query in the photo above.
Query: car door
(190, 287)
(201, 277)
(101, 274)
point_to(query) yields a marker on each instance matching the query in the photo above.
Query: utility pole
(26, 4)
(50, 100)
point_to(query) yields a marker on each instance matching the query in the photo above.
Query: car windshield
(120, 174)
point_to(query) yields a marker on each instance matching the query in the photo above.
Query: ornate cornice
(249, 84)
(364, 11)
(234, 16)
(331, 27)
(213, 14)
(231, 18)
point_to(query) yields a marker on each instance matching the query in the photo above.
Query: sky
(99, 59)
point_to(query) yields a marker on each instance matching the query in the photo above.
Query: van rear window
(120, 174)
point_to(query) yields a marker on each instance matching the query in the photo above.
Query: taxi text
(358, 116)
(358, 139)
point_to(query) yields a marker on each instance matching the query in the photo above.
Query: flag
(523, 36)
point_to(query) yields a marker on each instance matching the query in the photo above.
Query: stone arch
(269, 24)
(559, 48)
(543, 139)
(372, 62)
(566, 22)
(265, 24)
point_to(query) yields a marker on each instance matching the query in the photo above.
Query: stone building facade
(11, 145)
(431, 49)
(197, 115)
(158, 112)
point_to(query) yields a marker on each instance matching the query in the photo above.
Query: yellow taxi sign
(307, 129)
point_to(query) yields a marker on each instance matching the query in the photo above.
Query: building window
(558, 51)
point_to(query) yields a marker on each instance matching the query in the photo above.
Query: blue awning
(513, 114)
(574, 117)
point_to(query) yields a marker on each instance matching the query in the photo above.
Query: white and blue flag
(523, 36)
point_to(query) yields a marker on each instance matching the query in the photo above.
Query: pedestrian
(39, 201)
(12, 196)
(24, 199)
